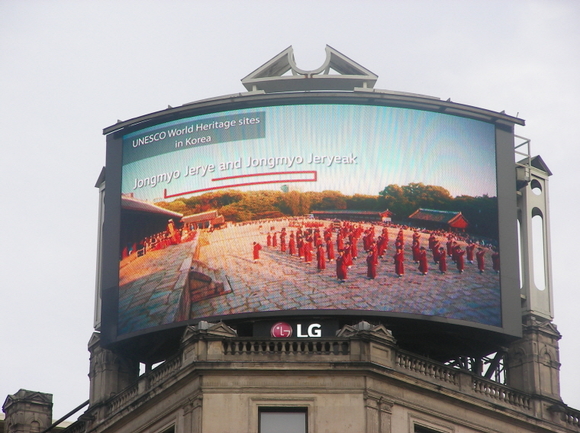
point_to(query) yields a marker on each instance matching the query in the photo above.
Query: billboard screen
(321, 208)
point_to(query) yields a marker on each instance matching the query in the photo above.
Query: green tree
(405, 200)
(396, 201)
(481, 212)
(363, 202)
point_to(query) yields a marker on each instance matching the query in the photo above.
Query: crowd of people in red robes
(172, 235)
(342, 242)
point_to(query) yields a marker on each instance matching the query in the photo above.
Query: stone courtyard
(278, 281)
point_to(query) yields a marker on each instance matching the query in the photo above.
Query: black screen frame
(507, 210)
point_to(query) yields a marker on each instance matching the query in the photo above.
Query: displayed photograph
(309, 207)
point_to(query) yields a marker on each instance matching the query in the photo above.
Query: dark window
(283, 420)
(421, 429)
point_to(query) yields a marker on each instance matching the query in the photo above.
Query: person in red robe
(275, 240)
(432, 241)
(320, 259)
(174, 236)
(354, 249)
(398, 245)
(401, 238)
(372, 260)
(442, 260)
(327, 234)
(307, 252)
(495, 261)
(454, 248)
(399, 262)
(480, 256)
(329, 250)
(292, 244)
(283, 242)
(382, 245)
(367, 240)
(469, 249)
(347, 255)
(341, 267)
(450, 243)
(416, 251)
(416, 236)
(339, 241)
(257, 248)
(436, 251)
(374, 249)
(385, 233)
(316, 236)
(269, 240)
(423, 265)
(459, 260)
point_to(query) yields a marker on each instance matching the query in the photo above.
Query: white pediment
(338, 72)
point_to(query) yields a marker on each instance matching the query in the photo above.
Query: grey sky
(70, 68)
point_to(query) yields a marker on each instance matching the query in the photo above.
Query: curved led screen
(318, 207)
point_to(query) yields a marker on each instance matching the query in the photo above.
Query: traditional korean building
(439, 219)
(211, 218)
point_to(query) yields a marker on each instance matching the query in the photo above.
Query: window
(427, 424)
(283, 420)
(422, 429)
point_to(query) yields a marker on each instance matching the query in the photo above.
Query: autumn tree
(294, 203)
(175, 206)
(326, 200)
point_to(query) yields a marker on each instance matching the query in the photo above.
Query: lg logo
(284, 330)
(281, 330)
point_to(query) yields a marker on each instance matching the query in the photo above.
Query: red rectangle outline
(313, 172)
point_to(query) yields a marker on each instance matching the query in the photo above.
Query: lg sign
(281, 330)
(284, 330)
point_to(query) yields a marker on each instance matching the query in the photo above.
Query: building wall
(357, 382)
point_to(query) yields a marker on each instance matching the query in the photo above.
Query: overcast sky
(68, 69)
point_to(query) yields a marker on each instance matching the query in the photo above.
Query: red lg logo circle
(281, 330)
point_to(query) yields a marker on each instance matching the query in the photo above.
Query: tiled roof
(439, 216)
